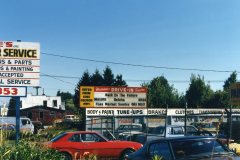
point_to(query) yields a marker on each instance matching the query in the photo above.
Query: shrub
(156, 157)
(27, 151)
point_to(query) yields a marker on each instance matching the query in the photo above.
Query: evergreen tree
(108, 77)
(119, 81)
(97, 79)
(84, 81)
(67, 98)
(232, 79)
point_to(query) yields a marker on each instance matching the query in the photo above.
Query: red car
(76, 145)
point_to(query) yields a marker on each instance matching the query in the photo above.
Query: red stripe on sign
(102, 89)
(120, 89)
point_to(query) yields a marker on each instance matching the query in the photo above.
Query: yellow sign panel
(86, 96)
(112, 96)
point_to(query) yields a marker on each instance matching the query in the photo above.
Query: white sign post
(19, 67)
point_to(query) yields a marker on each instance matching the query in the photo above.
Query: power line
(138, 65)
(54, 77)
(129, 80)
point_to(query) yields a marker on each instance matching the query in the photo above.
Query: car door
(75, 145)
(96, 145)
(159, 149)
(176, 131)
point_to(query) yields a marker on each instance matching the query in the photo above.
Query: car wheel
(66, 156)
(126, 152)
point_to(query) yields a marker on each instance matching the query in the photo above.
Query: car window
(157, 130)
(160, 149)
(191, 129)
(58, 137)
(25, 121)
(177, 130)
(196, 147)
(136, 128)
(75, 138)
(89, 137)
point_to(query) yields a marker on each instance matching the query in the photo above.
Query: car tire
(126, 152)
(66, 156)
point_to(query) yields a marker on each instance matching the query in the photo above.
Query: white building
(42, 100)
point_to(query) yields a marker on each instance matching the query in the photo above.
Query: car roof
(174, 126)
(180, 138)
(126, 124)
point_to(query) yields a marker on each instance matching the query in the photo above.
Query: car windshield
(58, 137)
(202, 147)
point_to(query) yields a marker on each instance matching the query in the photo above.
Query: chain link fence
(223, 124)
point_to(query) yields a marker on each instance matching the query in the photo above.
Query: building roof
(42, 107)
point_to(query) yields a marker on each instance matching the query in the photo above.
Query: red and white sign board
(19, 63)
(13, 91)
(111, 96)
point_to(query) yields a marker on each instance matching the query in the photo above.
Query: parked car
(160, 131)
(184, 148)
(37, 126)
(7, 127)
(173, 130)
(206, 126)
(74, 145)
(25, 124)
(128, 128)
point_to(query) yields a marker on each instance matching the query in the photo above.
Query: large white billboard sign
(112, 96)
(19, 63)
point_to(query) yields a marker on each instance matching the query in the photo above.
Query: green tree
(219, 99)
(108, 77)
(119, 81)
(97, 79)
(84, 81)
(198, 92)
(160, 93)
(64, 95)
(226, 88)
(12, 108)
(232, 79)
(67, 98)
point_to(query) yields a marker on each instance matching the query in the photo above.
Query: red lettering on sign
(8, 91)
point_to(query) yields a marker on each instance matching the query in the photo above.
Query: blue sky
(201, 34)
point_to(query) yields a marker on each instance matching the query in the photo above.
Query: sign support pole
(17, 107)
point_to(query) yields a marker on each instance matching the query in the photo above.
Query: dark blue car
(184, 148)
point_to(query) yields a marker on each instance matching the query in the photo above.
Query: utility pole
(37, 87)
(185, 120)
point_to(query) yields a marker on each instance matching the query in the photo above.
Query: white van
(26, 124)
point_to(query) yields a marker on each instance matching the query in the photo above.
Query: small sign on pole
(235, 94)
